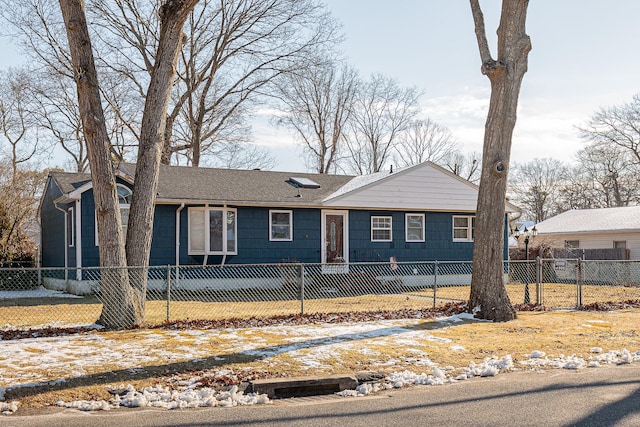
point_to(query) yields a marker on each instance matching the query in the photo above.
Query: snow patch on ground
(39, 361)
(162, 397)
(39, 292)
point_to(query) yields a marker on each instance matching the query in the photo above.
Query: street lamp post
(527, 234)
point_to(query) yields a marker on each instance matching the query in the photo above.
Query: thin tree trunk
(173, 14)
(489, 299)
(119, 305)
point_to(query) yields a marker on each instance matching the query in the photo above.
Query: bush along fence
(57, 296)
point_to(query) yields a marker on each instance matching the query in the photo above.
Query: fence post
(538, 281)
(435, 282)
(168, 293)
(579, 284)
(301, 281)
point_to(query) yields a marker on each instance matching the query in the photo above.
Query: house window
(620, 244)
(464, 228)
(280, 226)
(572, 244)
(124, 199)
(71, 235)
(414, 227)
(212, 231)
(381, 229)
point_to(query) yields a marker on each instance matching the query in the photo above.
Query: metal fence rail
(56, 296)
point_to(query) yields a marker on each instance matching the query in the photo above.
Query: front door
(335, 237)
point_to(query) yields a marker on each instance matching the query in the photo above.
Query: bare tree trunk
(489, 299)
(173, 14)
(119, 306)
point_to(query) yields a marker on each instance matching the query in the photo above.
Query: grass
(30, 312)
(556, 333)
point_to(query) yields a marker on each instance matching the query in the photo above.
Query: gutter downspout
(178, 234)
(224, 244)
(205, 259)
(178, 242)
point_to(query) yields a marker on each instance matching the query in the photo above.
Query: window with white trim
(381, 229)
(464, 228)
(620, 244)
(572, 244)
(414, 227)
(280, 226)
(212, 231)
(124, 199)
(71, 234)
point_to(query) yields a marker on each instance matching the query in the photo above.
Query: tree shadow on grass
(215, 361)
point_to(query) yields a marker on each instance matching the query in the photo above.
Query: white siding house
(594, 229)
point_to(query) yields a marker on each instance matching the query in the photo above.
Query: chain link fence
(63, 297)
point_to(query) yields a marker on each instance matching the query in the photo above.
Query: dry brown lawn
(65, 312)
(555, 333)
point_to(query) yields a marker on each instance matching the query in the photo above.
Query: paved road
(608, 396)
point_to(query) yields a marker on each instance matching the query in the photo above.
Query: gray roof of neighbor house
(592, 220)
(251, 187)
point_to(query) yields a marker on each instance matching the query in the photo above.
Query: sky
(585, 55)
(33, 362)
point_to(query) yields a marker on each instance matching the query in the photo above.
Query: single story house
(209, 216)
(592, 229)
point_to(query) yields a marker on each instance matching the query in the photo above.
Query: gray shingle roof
(251, 187)
(592, 220)
(69, 181)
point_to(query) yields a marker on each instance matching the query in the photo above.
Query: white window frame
(71, 227)
(470, 228)
(406, 227)
(206, 211)
(386, 218)
(271, 224)
(123, 207)
(568, 244)
(620, 244)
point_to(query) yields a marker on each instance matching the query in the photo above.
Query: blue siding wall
(254, 245)
(253, 239)
(52, 243)
(438, 245)
(90, 251)
(163, 247)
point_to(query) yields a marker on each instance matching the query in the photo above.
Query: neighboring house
(606, 228)
(223, 216)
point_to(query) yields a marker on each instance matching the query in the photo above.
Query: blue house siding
(254, 246)
(438, 244)
(90, 251)
(53, 246)
(163, 240)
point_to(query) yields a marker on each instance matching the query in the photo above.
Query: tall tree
(234, 50)
(467, 166)
(382, 111)
(424, 140)
(19, 191)
(233, 53)
(605, 176)
(17, 142)
(618, 125)
(123, 304)
(316, 105)
(536, 186)
(489, 299)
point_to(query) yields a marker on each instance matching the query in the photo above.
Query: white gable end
(421, 187)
